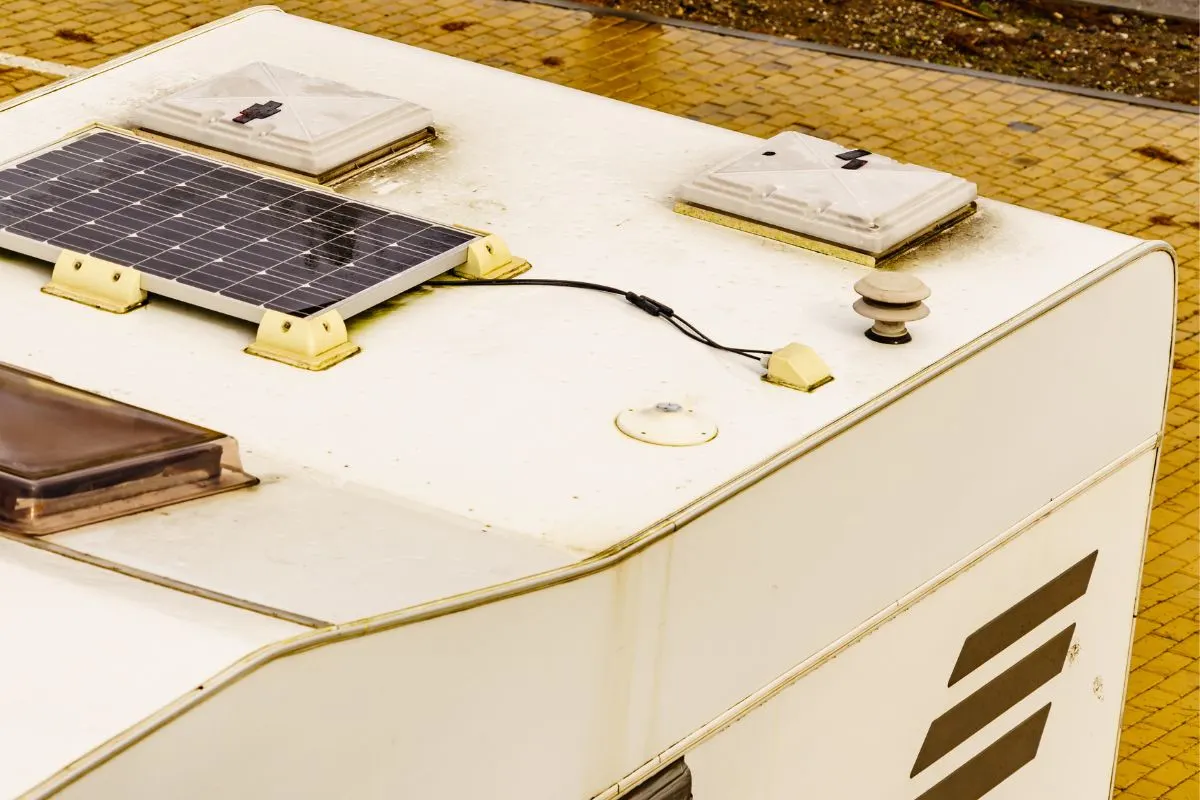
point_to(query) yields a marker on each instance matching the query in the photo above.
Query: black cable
(647, 304)
(696, 330)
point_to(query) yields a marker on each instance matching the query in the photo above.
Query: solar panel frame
(220, 237)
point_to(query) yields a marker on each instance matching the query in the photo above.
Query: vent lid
(298, 122)
(823, 192)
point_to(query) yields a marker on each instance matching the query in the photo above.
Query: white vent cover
(317, 126)
(851, 198)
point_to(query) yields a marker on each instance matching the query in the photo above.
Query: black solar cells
(220, 228)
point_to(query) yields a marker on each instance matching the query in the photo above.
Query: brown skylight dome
(70, 458)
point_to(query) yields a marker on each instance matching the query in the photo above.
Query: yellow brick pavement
(13, 81)
(1119, 166)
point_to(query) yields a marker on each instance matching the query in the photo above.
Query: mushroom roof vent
(862, 203)
(284, 118)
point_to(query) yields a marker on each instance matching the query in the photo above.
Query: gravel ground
(1064, 43)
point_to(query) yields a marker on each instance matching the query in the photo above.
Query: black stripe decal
(1022, 618)
(1004, 691)
(994, 765)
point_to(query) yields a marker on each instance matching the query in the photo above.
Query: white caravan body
(459, 579)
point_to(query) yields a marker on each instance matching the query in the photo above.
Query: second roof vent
(311, 126)
(853, 204)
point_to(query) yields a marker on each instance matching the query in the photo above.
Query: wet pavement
(1106, 163)
(1184, 9)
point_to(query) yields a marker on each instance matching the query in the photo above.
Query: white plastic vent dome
(823, 190)
(317, 126)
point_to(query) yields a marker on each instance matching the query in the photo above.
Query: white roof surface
(88, 653)
(472, 441)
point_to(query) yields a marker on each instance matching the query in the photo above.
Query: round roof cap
(893, 288)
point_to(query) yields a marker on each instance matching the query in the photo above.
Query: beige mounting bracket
(797, 366)
(489, 258)
(315, 343)
(95, 282)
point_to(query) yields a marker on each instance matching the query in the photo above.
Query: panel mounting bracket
(95, 282)
(315, 343)
(797, 366)
(488, 258)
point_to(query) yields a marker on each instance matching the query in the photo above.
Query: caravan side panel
(1044, 711)
(552, 694)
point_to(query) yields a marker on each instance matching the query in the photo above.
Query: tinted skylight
(69, 457)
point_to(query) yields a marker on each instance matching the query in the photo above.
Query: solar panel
(215, 235)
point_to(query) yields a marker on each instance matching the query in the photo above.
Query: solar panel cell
(340, 282)
(263, 193)
(14, 181)
(173, 263)
(37, 227)
(199, 223)
(86, 238)
(216, 182)
(98, 143)
(304, 302)
(175, 229)
(130, 249)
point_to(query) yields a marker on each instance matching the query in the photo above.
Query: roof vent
(70, 458)
(823, 196)
(309, 126)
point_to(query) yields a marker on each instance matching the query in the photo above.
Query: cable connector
(650, 305)
(647, 304)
